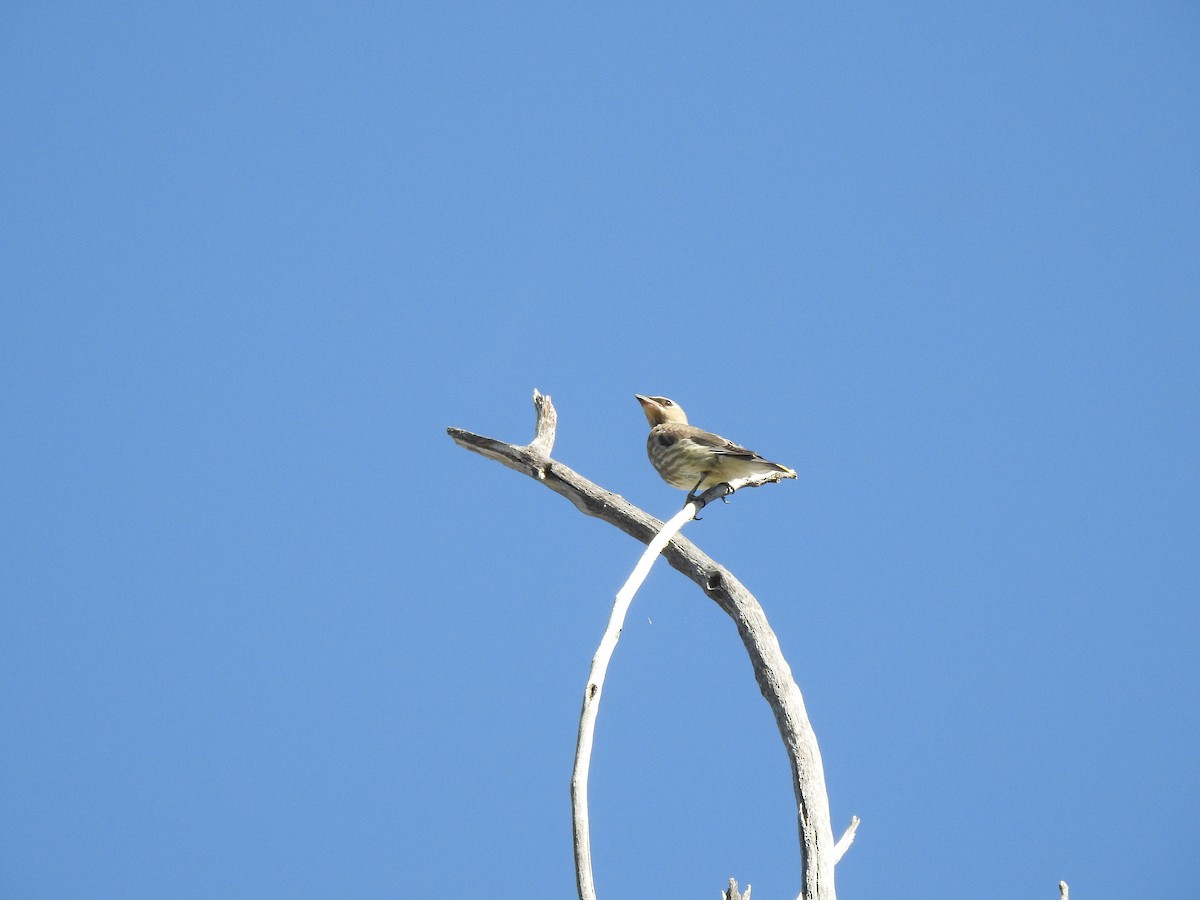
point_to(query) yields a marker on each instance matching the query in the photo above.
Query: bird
(693, 459)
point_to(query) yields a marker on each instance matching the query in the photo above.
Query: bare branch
(732, 893)
(771, 669)
(547, 424)
(584, 881)
(844, 842)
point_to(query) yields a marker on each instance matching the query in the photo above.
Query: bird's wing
(721, 446)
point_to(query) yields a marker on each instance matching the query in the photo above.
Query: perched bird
(692, 459)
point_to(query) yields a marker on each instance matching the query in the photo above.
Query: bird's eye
(666, 402)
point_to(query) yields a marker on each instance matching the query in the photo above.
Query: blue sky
(269, 633)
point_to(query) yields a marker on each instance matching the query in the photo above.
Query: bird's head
(661, 411)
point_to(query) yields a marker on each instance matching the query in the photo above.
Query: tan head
(661, 411)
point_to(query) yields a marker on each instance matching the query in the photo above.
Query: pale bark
(581, 825)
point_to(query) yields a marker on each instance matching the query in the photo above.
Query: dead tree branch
(771, 669)
(581, 825)
(844, 842)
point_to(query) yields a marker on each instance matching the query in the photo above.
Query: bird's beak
(652, 411)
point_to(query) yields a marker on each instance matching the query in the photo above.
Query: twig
(771, 669)
(844, 842)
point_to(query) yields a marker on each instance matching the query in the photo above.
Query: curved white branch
(591, 701)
